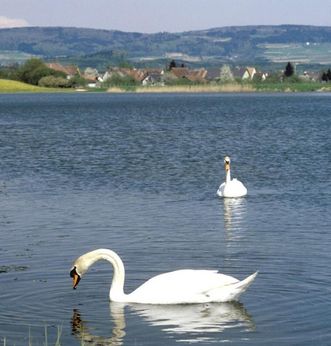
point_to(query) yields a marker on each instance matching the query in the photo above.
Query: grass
(45, 343)
(292, 87)
(11, 86)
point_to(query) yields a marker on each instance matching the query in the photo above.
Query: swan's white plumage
(177, 287)
(231, 187)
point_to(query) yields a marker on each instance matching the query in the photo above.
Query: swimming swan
(177, 287)
(231, 188)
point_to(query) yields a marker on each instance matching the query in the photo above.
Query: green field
(300, 53)
(10, 86)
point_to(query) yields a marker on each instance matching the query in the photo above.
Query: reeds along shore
(189, 89)
(227, 88)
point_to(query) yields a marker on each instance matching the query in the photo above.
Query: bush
(77, 81)
(292, 79)
(53, 82)
(117, 80)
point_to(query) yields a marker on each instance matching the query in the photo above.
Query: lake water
(139, 174)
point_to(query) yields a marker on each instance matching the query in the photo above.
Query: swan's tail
(242, 286)
(232, 291)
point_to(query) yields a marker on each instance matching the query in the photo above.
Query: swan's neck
(116, 292)
(228, 176)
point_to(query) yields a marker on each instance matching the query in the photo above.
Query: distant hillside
(309, 45)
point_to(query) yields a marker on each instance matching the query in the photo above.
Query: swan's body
(178, 287)
(231, 187)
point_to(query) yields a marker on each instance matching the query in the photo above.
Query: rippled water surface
(139, 174)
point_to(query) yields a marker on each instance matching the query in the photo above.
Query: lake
(138, 174)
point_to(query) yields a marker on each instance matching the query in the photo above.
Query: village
(173, 75)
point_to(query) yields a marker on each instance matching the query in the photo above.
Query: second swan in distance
(231, 187)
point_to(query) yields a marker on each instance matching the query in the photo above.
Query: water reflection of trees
(183, 322)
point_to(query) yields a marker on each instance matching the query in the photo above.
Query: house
(198, 75)
(92, 77)
(249, 73)
(262, 76)
(246, 73)
(69, 70)
(91, 74)
(153, 77)
(213, 74)
(136, 74)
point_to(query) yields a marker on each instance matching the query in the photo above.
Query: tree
(329, 74)
(324, 77)
(34, 69)
(77, 81)
(226, 74)
(172, 64)
(289, 70)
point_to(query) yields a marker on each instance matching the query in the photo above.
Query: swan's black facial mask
(75, 278)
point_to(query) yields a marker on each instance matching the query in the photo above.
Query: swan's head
(227, 163)
(79, 268)
(75, 277)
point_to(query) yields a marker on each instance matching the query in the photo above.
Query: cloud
(6, 22)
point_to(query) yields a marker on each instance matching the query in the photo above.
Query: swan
(231, 188)
(178, 287)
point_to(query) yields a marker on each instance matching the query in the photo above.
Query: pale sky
(162, 15)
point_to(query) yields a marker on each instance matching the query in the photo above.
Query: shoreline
(9, 86)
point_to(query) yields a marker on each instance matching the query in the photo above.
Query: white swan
(177, 287)
(231, 188)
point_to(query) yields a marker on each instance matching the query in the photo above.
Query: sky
(150, 16)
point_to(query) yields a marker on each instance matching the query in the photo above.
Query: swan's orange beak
(227, 165)
(75, 278)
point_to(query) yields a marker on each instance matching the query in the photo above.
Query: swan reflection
(191, 322)
(234, 213)
(195, 318)
(81, 331)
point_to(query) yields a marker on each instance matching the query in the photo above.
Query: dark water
(139, 174)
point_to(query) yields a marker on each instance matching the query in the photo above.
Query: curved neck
(116, 292)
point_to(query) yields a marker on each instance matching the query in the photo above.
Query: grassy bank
(10, 86)
(292, 87)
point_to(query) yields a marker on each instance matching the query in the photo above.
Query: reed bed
(219, 88)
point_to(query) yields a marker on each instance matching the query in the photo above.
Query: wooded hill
(246, 45)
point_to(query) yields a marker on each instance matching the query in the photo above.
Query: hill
(264, 45)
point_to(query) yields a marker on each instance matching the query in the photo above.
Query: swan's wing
(181, 286)
(234, 188)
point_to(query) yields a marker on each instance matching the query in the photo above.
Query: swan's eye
(73, 272)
